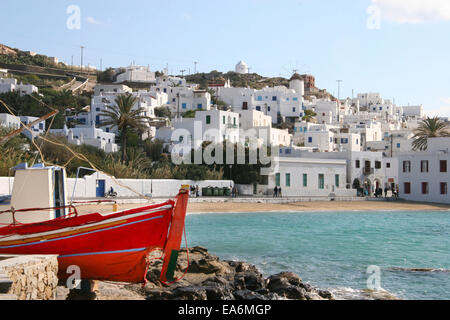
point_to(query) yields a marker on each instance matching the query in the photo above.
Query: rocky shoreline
(209, 278)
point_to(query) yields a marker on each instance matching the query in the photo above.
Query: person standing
(280, 195)
(275, 192)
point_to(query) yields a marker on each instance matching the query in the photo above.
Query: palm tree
(429, 128)
(122, 116)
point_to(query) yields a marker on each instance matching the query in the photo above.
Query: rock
(190, 293)
(288, 285)
(248, 295)
(326, 294)
(249, 280)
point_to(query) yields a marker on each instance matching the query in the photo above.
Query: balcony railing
(368, 171)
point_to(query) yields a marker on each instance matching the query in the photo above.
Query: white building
(425, 176)
(89, 135)
(311, 177)
(281, 103)
(9, 121)
(214, 126)
(36, 130)
(137, 74)
(11, 85)
(255, 124)
(242, 68)
(105, 96)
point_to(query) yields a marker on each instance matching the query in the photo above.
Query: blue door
(100, 192)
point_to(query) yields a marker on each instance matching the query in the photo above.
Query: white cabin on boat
(38, 187)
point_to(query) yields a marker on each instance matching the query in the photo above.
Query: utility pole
(101, 64)
(81, 66)
(178, 106)
(182, 73)
(339, 90)
(195, 67)
(71, 64)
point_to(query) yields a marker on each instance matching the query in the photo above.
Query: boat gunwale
(116, 217)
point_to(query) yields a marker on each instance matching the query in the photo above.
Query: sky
(399, 48)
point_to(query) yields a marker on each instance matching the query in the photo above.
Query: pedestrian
(275, 192)
(197, 191)
(386, 192)
(280, 195)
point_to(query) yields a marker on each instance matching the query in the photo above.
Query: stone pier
(28, 277)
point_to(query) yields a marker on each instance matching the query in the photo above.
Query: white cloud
(445, 100)
(414, 11)
(92, 20)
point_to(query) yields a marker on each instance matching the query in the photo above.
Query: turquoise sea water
(334, 249)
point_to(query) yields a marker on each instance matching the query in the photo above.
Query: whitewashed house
(310, 177)
(137, 74)
(89, 135)
(11, 85)
(425, 176)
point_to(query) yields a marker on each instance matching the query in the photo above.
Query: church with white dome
(242, 68)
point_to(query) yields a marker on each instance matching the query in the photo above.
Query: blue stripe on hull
(100, 253)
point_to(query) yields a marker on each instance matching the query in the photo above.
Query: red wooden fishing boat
(112, 247)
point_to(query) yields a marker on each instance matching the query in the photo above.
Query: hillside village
(328, 147)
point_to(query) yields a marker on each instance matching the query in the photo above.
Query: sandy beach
(233, 207)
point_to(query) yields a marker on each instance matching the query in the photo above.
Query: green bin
(204, 192)
(221, 192)
(215, 192)
(209, 192)
(227, 192)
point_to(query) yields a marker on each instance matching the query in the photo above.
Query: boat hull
(114, 248)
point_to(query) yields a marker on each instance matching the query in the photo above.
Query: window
(224, 120)
(344, 140)
(321, 181)
(310, 140)
(336, 180)
(184, 105)
(425, 188)
(358, 164)
(377, 164)
(406, 166)
(259, 98)
(208, 119)
(305, 180)
(199, 106)
(274, 98)
(398, 145)
(388, 165)
(443, 165)
(443, 188)
(295, 99)
(407, 187)
(277, 180)
(424, 166)
(293, 110)
(288, 179)
(258, 108)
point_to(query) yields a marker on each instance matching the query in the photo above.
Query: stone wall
(30, 277)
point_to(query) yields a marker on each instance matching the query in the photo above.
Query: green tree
(309, 115)
(127, 121)
(429, 128)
